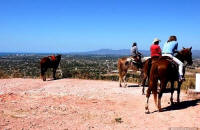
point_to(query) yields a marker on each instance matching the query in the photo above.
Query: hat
(156, 40)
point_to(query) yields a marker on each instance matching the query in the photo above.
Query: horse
(49, 62)
(146, 70)
(166, 71)
(125, 63)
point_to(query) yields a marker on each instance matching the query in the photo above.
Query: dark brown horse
(126, 63)
(166, 71)
(49, 62)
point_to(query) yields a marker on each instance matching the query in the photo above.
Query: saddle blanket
(53, 58)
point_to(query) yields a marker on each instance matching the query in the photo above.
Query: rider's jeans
(180, 64)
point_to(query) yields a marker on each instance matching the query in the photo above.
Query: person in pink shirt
(155, 54)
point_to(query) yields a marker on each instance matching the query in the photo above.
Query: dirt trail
(87, 104)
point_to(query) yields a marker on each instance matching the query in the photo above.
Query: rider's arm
(175, 50)
(159, 50)
(136, 50)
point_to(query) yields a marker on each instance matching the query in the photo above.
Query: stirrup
(181, 78)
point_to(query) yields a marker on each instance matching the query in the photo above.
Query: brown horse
(126, 63)
(146, 71)
(49, 62)
(166, 71)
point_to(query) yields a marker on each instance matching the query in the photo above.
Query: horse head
(186, 55)
(58, 57)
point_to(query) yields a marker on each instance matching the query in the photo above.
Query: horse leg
(143, 84)
(162, 88)
(43, 70)
(146, 73)
(120, 79)
(124, 79)
(155, 97)
(54, 73)
(178, 92)
(172, 92)
(147, 101)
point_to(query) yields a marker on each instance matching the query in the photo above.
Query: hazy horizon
(80, 51)
(80, 26)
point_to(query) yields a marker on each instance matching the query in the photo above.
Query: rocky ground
(70, 104)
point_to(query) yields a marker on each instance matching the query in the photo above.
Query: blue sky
(84, 25)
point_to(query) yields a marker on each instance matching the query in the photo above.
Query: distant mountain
(125, 52)
(196, 53)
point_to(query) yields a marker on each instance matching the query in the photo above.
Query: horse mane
(182, 54)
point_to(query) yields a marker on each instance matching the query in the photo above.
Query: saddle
(173, 63)
(52, 58)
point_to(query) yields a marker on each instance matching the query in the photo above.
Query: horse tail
(153, 77)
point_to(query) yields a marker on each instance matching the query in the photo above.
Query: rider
(155, 52)
(135, 54)
(155, 48)
(169, 48)
(134, 50)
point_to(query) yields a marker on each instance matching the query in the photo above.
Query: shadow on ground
(182, 105)
(54, 79)
(135, 85)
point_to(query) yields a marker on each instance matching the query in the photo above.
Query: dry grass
(3, 75)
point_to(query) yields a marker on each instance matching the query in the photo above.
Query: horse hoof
(146, 108)
(160, 110)
(147, 112)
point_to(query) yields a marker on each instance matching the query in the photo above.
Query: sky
(86, 25)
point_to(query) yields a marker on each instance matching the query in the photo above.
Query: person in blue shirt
(169, 48)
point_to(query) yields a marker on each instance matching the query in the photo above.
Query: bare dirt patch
(87, 104)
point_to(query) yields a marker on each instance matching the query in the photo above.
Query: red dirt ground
(87, 104)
